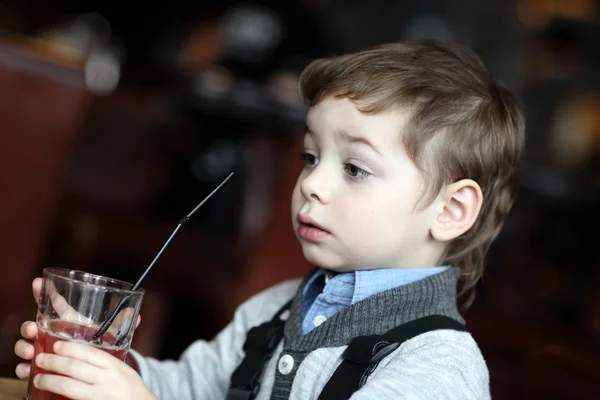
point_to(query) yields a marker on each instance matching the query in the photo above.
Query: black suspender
(260, 344)
(364, 353)
(360, 358)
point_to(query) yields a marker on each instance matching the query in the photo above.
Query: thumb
(36, 287)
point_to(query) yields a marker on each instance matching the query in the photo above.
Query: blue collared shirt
(326, 294)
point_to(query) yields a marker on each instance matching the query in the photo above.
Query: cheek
(360, 222)
(368, 233)
(296, 197)
(373, 218)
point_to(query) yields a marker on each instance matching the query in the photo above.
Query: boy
(412, 155)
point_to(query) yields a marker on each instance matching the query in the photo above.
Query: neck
(377, 314)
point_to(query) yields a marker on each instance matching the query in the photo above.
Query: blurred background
(116, 120)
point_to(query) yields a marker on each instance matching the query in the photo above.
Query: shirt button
(285, 315)
(286, 364)
(319, 319)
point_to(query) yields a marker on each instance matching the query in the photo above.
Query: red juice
(68, 331)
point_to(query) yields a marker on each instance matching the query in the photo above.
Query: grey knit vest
(374, 315)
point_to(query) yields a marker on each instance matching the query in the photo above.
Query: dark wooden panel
(41, 108)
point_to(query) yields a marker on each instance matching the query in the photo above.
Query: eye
(310, 159)
(355, 172)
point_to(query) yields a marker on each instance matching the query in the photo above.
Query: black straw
(137, 285)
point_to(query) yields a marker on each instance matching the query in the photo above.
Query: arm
(436, 365)
(205, 368)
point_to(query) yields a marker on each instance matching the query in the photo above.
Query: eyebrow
(349, 138)
(358, 139)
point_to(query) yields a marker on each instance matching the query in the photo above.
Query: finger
(36, 287)
(59, 304)
(62, 307)
(85, 353)
(67, 366)
(29, 330)
(62, 385)
(24, 349)
(138, 321)
(23, 370)
(122, 322)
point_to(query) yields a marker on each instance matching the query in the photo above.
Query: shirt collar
(352, 287)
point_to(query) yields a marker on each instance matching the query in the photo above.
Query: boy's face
(355, 203)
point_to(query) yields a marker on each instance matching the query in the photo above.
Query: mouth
(310, 223)
(309, 230)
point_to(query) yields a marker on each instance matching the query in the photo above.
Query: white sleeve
(205, 368)
(437, 365)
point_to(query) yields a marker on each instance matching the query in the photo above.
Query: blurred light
(575, 130)
(90, 34)
(251, 32)
(284, 87)
(200, 49)
(576, 9)
(93, 26)
(81, 33)
(102, 72)
(535, 14)
(215, 82)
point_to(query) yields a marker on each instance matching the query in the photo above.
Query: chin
(319, 257)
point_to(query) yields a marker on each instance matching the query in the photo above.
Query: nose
(315, 186)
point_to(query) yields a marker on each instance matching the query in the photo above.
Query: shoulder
(443, 340)
(262, 306)
(441, 364)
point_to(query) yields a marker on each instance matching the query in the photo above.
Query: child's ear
(461, 205)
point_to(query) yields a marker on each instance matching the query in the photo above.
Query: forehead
(334, 115)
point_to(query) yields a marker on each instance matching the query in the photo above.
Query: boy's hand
(29, 330)
(87, 373)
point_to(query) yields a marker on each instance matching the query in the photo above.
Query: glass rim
(53, 271)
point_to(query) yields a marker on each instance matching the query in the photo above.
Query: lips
(306, 220)
(310, 230)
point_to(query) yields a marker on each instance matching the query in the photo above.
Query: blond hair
(463, 125)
